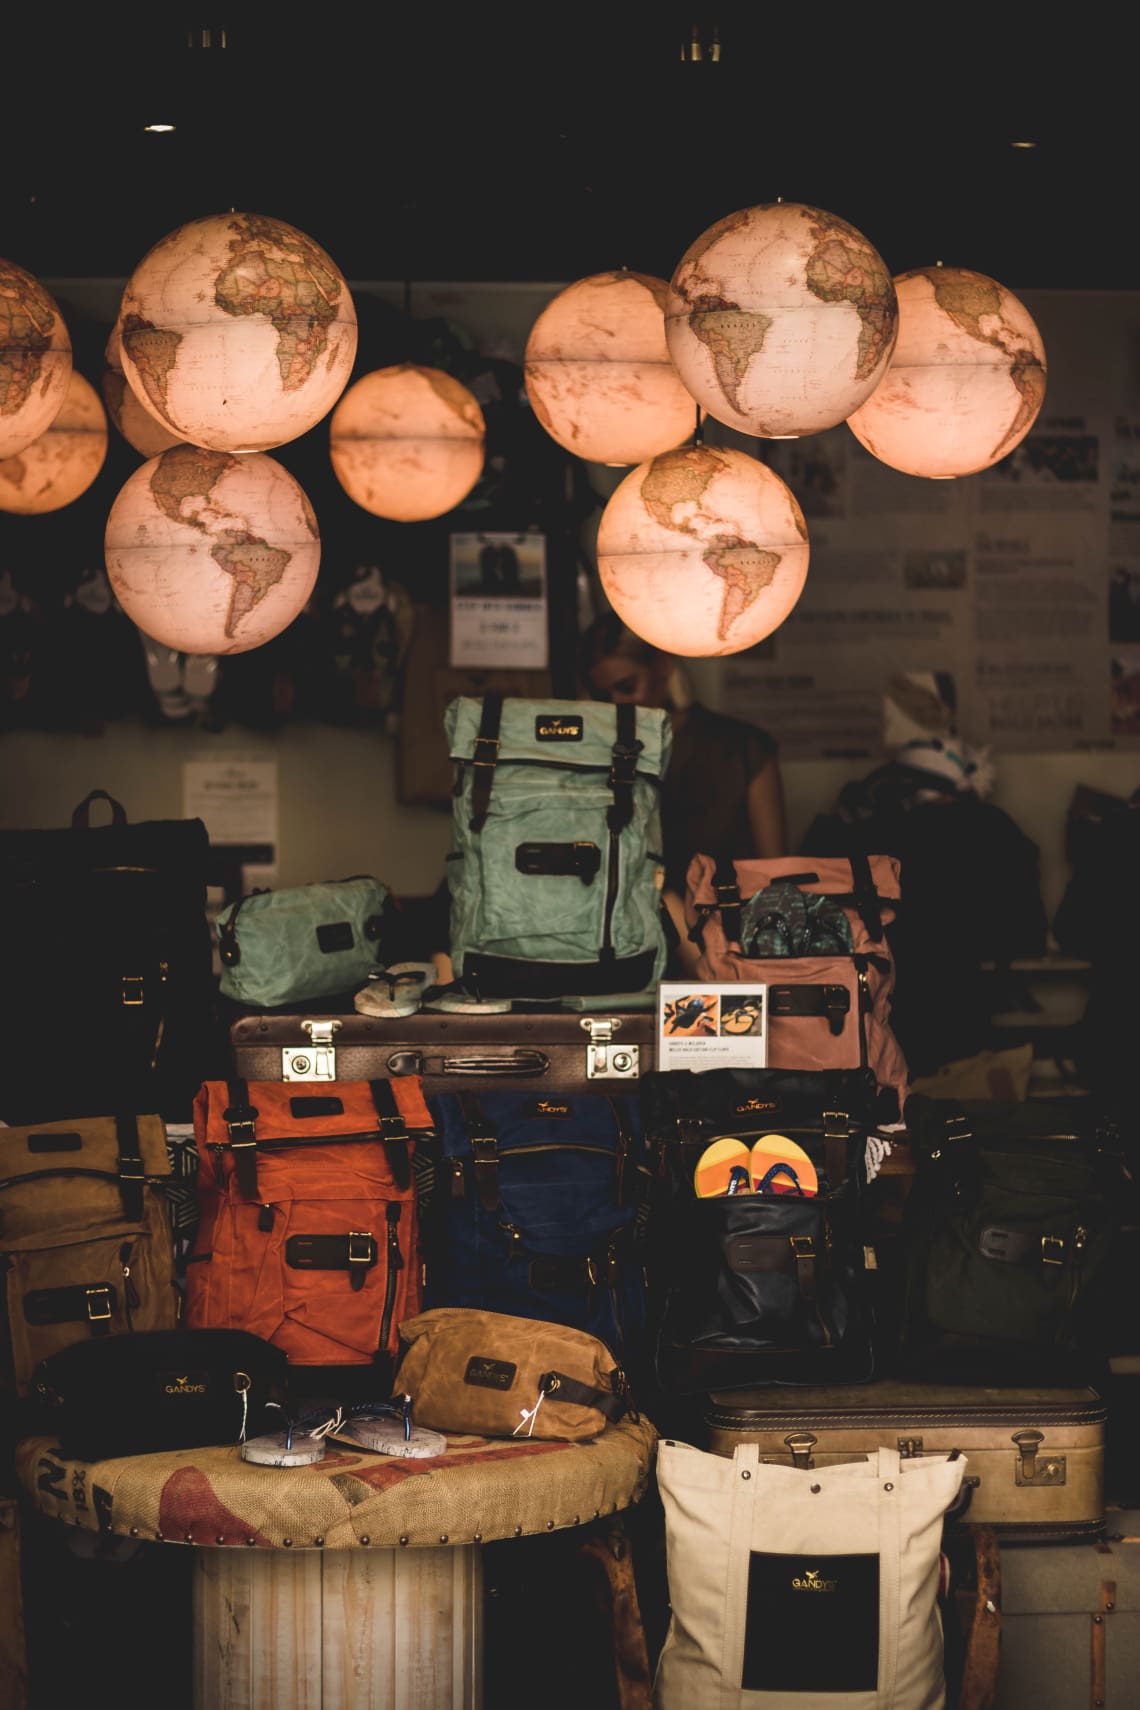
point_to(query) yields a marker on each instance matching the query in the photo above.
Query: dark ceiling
(547, 142)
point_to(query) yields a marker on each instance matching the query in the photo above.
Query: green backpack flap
(285, 947)
(556, 869)
(1009, 1238)
(782, 920)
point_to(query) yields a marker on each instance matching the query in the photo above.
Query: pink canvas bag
(824, 1012)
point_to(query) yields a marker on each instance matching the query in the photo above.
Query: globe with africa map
(237, 332)
(703, 551)
(208, 552)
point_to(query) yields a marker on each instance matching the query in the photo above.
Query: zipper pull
(395, 1257)
(458, 1185)
(130, 1293)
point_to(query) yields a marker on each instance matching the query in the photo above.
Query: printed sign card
(705, 1025)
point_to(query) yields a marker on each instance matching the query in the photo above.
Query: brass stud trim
(404, 1539)
(318, 1542)
(443, 1537)
(477, 1537)
(288, 1543)
(518, 1531)
(366, 1540)
(134, 1531)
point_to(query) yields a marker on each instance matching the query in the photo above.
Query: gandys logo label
(486, 1373)
(559, 727)
(547, 1107)
(756, 1104)
(811, 1581)
(184, 1386)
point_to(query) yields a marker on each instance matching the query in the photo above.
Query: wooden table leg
(983, 1645)
(301, 1629)
(608, 1547)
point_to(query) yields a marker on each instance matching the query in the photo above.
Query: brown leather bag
(85, 1236)
(496, 1376)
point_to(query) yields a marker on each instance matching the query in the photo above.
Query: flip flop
(770, 1157)
(386, 1437)
(713, 1174)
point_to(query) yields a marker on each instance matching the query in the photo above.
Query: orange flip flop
(715, 1165)
(777, 1154)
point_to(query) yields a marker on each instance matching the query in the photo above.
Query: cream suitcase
(1036, 1456)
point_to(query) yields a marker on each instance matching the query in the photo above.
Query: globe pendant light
(598, 371)
(781, 320)
(139, 426)
(966, 381)
(63, 462)
(238, 332)
(407, 442)
(35, 359)
(209, 552)
(702, 551)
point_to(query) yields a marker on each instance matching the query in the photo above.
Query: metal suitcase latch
(316, 1062)
(606, 1061)
(909, 1447)
(800, 1445)
(1029, 1470)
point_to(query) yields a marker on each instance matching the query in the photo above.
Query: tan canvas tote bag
(802, 1589)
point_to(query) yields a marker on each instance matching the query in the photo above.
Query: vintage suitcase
(1036, 1456)
(561, 1049)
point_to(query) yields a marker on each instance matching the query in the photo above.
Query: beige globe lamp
(35, 359)
(131, 415)
(238, 332)
(598, 371)
(781, 319)
(966, 381)
(63, 462)
(211, 552)
(407, 442)
(703, 551)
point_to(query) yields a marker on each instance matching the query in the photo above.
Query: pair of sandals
(407, 987)
(378, 1427)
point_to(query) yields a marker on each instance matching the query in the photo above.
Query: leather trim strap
(611, 1404)
(623, 766)
(240, 1118)
(864, 896)
(131, 1172)
(727, 898)
(393, 1132)
(485, 758)
(484, 1151)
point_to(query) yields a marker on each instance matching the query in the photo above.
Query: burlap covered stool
(358, 1581)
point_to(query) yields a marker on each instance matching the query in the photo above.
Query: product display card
(702, 1025)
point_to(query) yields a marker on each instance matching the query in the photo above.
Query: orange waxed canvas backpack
(308, 1230)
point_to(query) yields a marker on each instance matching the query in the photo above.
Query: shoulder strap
(484, 1151)
(865, 897)
(610, 1403)
(485, 758)
(393, 1132)
(623, 766)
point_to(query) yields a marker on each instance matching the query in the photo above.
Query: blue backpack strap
(485, 758)
(484, 1151)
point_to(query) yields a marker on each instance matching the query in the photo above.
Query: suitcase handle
(521, 1063)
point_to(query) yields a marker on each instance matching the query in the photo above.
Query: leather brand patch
(486, 1373)
(826, 1612)
(559, 727)
(337, 935)
(316, 1105)
(55, 1143)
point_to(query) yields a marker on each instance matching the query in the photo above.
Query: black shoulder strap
(623, 1162)
(131, 1176)
(623, 766)
(727, 898)
(484, 1151)
(393, 1132)
(240, 1118)
(485, 758)
(865, 896)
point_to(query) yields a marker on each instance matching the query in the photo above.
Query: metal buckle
(368, 1256)
(133, 982)
(1049, 1245)
(102, 1294)
(483, 742)
(239, 1120)
(803, 1247)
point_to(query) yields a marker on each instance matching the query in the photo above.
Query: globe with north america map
(237, 332)
(702, 551)
(208, 552)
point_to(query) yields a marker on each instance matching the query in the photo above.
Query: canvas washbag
(497, 1376)
(295, 946)
(828, 1009)
(813, 1587)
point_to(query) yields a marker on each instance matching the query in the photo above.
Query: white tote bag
(802, 1589)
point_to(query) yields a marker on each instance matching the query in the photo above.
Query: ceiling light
(158, 127)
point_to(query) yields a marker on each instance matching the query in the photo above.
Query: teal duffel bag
(556, 871)
(279, 948)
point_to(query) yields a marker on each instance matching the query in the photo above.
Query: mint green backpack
(556, 869)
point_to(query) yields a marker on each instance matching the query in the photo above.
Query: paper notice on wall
(498, 602)
(237, 801)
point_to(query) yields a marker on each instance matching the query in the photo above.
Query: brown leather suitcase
(1035, 1457)
(567, 1050)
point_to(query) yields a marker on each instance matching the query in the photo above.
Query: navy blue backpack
(535, 1211)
